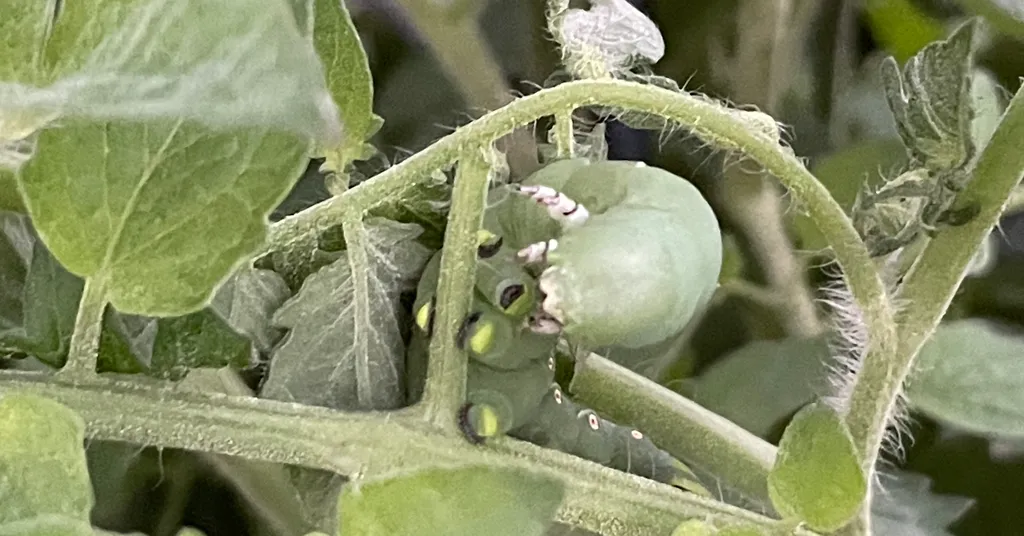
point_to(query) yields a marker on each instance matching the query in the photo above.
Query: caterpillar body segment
(511, 396)
(489, 335)
(523, 221)
(563, 425)
(645, 261)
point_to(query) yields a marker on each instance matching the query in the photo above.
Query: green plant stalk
(930, 286)
(680, 426)
(84, 349)
(712, 123)
(563, 134)
(597, 498)
(445, 389)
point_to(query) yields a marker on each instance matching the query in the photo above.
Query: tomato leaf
(817, 478)
(451, 502)
(42, 460)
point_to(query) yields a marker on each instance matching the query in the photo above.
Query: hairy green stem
(563, 133)
(929, 288)
(445, 388)
(597, 498)
(680, 426)
(716, 125)
(84, 349)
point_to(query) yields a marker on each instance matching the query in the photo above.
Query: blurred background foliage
(437, 64)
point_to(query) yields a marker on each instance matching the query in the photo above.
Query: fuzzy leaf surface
(345, 348)
(459, 502)
(816, 478)
(162, 211)
(349, 81)
(42, 460)
(931, 100)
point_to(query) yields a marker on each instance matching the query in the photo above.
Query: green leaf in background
(317, 492)
(971, 375)
(42, 460)
(764, 382)
(1007, 16)
(451, 502)
(901, 27)
(425, 204)
(23, 30)
(349, 81)
(904, 506)
(160, 212)
(200, 339)
(233, 330)
(345, 348)
(48, 307)
(16, 242)
(49, 525)
(931, 100)
(247, 302)
(816, 478)
(10, 199)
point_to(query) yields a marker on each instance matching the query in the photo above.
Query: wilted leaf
(345, 348)
(611, 32)
(460, 502)
(42, 460)
(764, 382)
(161, 212)
(971, 375)
(904, 506)
(348, 78)
(817, 478)
(931, 100)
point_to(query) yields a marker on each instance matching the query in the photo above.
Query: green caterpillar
(511, 340)
(628, 253)
(511, 390)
